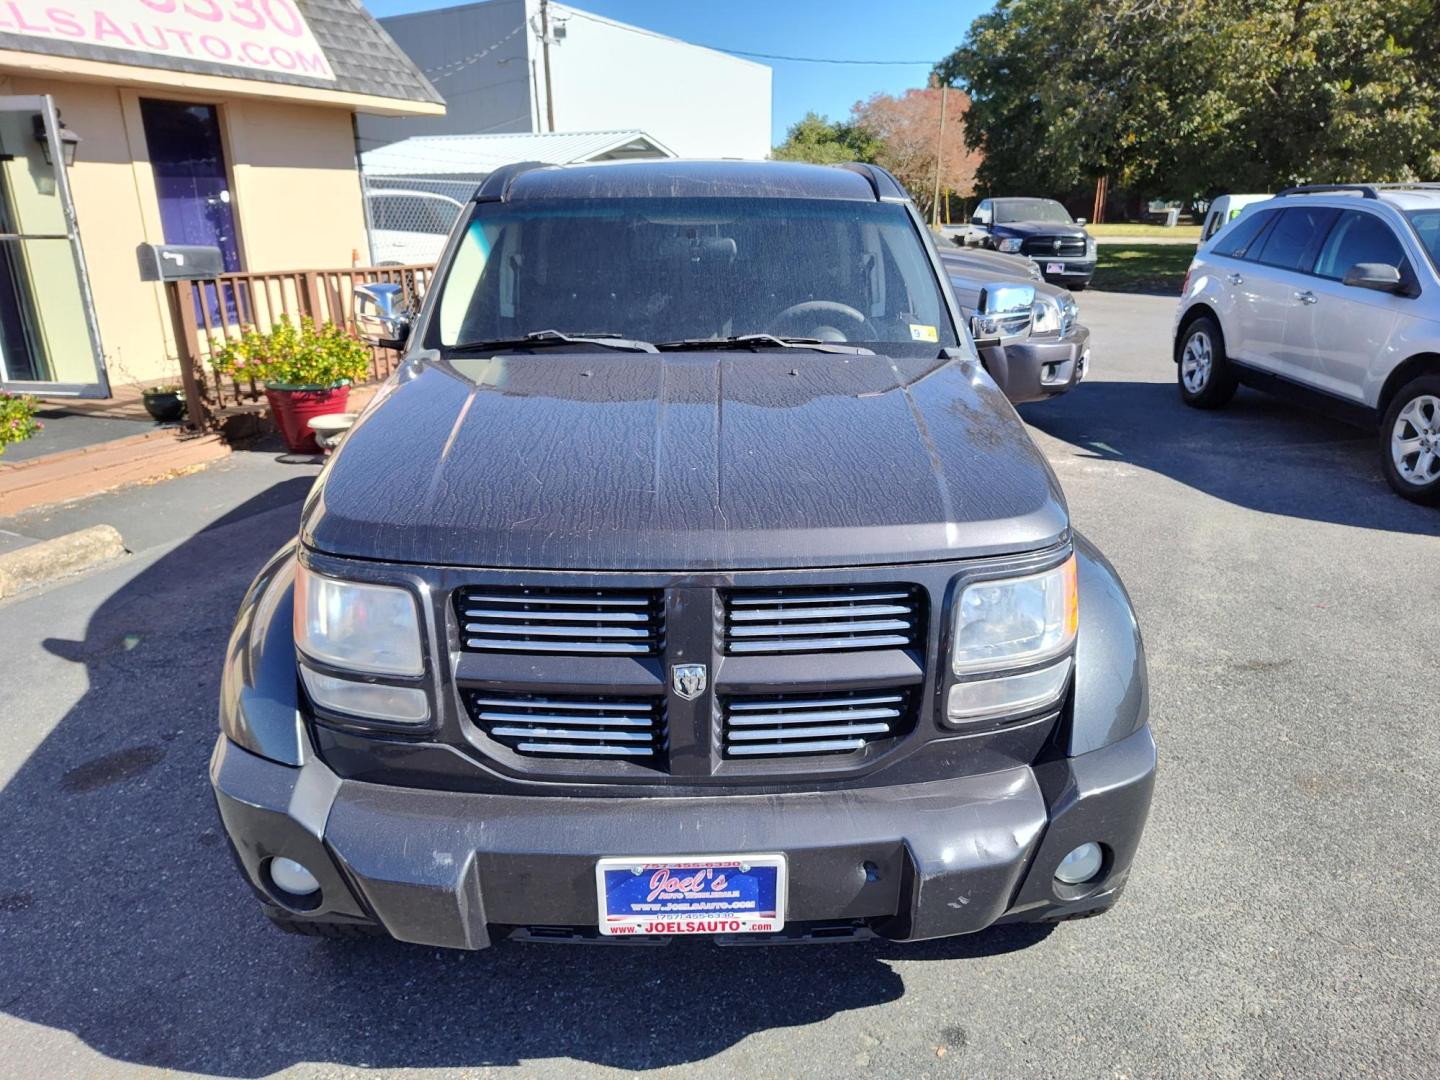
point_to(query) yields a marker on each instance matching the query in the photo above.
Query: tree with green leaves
(815, 138)
(1183, 97)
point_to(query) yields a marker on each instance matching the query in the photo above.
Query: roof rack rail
(1408, 185)
(1367, 190)
(496, 186)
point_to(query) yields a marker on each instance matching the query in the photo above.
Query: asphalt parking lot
(1280, 918)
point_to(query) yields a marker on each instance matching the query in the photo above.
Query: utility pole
(545, 57)
(939, 155)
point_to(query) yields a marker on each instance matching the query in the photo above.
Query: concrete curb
(45, 561)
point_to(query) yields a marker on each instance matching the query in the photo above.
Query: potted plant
(17, 419)
(306, 371)
(164, 403)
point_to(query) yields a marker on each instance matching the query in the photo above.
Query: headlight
(368, 628)
(1045, 315)
(1090, 247)
(1010, 245)
(1012, 623)
(1016, 622)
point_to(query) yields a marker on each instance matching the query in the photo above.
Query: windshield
(1426, 224)
(1031, 210)
(670, 269)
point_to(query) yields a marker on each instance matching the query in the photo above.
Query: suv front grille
(571, 726)
(1070, 247)
(592, 622)
(825, 619)
(772, 725)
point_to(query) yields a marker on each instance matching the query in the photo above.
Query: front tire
(1206, 379)
(1410, 441)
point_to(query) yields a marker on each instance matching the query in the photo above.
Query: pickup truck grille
(591, 622)
(1071, 247)
(824, 619)
(769, 726)
(570, 726)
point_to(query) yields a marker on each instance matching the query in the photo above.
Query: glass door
(49, 340)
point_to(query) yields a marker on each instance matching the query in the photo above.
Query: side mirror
(1003, 314)
(1378, 276)
(1082, 221)
(379, 317)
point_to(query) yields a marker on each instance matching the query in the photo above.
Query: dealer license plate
(710, 894)
(1054, 268)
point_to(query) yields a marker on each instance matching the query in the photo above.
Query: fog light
(1081, 865)
(290, 876)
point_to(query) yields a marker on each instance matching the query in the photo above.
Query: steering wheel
(823, 307)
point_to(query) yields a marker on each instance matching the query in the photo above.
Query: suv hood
(674, 461)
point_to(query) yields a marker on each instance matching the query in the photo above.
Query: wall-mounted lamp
(69, 141)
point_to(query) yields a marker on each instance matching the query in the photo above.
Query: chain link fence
(410, 216)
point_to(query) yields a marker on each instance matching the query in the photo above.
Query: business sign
(258, 35)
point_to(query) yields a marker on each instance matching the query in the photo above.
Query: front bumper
(1037, 368)
(1075, 272)
(907, 862)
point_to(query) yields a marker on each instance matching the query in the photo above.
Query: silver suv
(1329, 293)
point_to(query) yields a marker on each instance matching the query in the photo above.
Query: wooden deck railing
(206, 314)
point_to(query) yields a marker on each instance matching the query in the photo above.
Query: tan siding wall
(294, 183)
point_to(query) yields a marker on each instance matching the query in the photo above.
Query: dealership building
(532, 66)
(219, 124)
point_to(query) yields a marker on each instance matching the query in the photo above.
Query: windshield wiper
(542, 338)
(764, 341)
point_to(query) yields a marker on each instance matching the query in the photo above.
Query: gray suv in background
(1329, 295)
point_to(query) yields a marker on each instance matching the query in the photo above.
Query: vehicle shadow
(1258, 452)
(124, 922)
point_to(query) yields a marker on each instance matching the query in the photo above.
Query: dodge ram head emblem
(1057, 243)
(688, 680)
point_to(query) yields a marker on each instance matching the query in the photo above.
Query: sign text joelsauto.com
(260, 35)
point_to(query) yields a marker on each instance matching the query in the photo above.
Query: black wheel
(315, 928)
(1206, 379)
(1078, 286)
(1410, 441)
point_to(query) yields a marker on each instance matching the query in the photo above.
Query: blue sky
(846, 29)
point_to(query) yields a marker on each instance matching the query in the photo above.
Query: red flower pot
(293, 409)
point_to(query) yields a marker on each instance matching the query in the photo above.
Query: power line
(572, 13)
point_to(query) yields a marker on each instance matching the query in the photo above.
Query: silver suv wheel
(1197, 361)
(1415, 441)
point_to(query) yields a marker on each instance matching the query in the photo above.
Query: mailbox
(179, 262)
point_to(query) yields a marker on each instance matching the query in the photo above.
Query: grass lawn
(1179, 232)
(1142, 267)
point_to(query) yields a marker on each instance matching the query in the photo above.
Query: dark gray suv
(690, 576)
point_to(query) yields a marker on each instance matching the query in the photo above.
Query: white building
(489, 60)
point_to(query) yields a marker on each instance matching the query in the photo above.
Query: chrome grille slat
(577, 622)
(762, 614)
(603, 648)
(814, 716)
(816, 723)
(740, 705)
(520, 614)
(526, 732)
(823, 619)
(808, 732)
(853, 627)
(752, 599)
(571, 726)
(618, 632)
(552, 718)
(887, 641)
(820, 746)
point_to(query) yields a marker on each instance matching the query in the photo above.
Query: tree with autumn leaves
(900, 133)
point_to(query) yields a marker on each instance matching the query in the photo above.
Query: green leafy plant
(166, 388)
(291, 357)
(17, 419)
